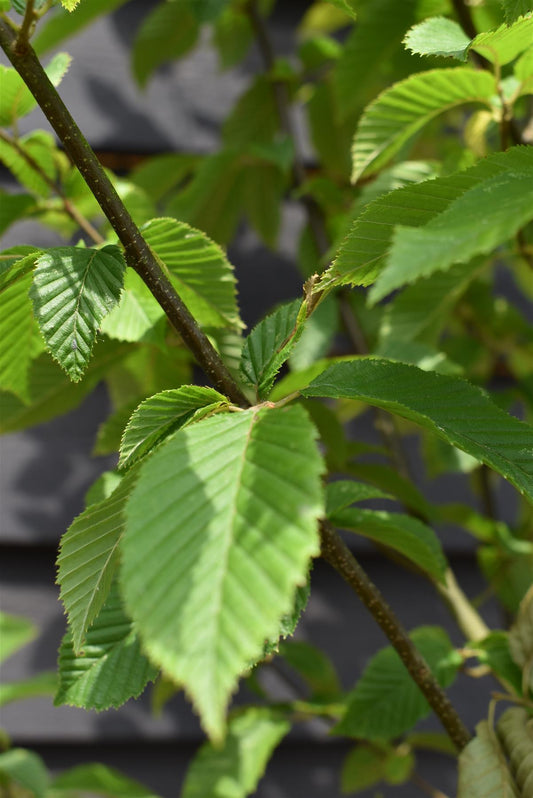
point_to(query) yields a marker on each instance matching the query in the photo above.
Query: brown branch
(138, 254)
(338, 555)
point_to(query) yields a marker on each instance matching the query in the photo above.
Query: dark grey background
(45, 471)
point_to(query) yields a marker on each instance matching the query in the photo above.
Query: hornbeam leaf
(16, 330)
(73, 290)
(111, 669)
(88, 559)
(386, 701)
(515, 730)
(44, 684)
(496, 208)
(13, 207)
(16, 99)
(162, 414)
(199, 269)
(138, 315)
(503, 45)
(26, 770)
(16, 631)
(403, 109)
(438, 36)
(483, 771)
(168, 31)
(236, 768)
(98, 779)
(363, 254)
(409, 536)
(344, 492)
(516, 8)
(454, 409)
(521, 639)
(230, 505)
(62, 25)
(268, 346)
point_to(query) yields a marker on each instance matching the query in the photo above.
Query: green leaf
(438, 36)
(199, 495)
(515, 731)
(61, 25)
(521, 640)
(362, 768)
(386, 701)
(70, 5)
(16, 99)
(263, 207)
(234, 769)
(494, 651)
(32, 160)
(503, 45)
(454, 409)
(17, 329)
(111, 668)
(504, 202)
(162, 173)
(403, 109)
(317, 336)
(13, 207)
(103, 487)
(164, 413)
(254, 119)
(111, 430)
(100, 780)
(199, 270)
(44, 684)
(73, 290)
(515, 8)
(344, 492)
(364, 252)
(207, 10)
(88, 558)
(51, 392)
(25, 769)
(483, 771)
(168, 31)
(137, 316)
(15, 632)
(212, 201)
(232, 36)
(268, 346)
(409, 536)
(388, 479)
(314, 667)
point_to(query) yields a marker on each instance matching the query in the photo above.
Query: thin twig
(26, 29)
(68, 207)
(426, 787)
(338, 555)
(138, 254)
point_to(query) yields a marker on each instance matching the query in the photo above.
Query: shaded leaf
(494, 651)
(254, 118)
(137, 316)
(199, 269)
(13, 207)
(268, 346)
(61, 25)
(99, 779)
(317, 336)
(162, 414)
(207, 529)
(362, 768)
(44, 684)
(32, 160)
(515, 8)
(386, 701)
(521, 639)
(25, 769)
(315, 668)
(403, 109)
(234, 769)
(110, 669)
(16, 99)
(515, 730)
(168, 31)
(73, 289)
(88, 559)
(15, 632)
(483, 771)
(342, 493)
(454, 409)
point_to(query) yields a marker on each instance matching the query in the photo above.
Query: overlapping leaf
(17, 328)
(344, 492)
(515, 730)
(138, 315)
(236, 767)
(162, 414)
(386, 701)
(24, 769)
(73, 290)
(168, 31)
(88, 559)
(62, 25)
(16, 99)
(16, 631)
(101, 780)
(32, 160)
(13, 207)
(399, 112)
(199, 269)
(408, 536)
(363, 253)
(483, 771)
(504, 203)
(268, 346)
(110, 669)
(516, 8)
(231, 502)
(454, 409)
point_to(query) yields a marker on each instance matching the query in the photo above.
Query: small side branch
(138, 254)
(337, 554)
